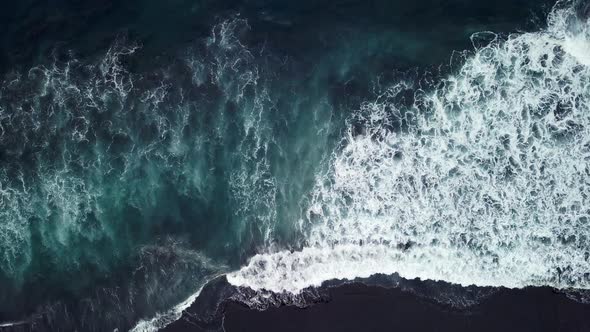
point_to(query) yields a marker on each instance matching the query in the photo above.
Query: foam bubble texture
(482, 180)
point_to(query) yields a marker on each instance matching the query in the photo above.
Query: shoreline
(372, 306)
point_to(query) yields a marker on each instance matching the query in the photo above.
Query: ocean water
(148, 147)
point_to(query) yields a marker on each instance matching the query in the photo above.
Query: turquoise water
(145, 149)
(106, 170)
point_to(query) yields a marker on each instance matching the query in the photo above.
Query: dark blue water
(147, 146)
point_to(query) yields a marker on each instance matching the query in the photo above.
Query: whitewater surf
(281, 148)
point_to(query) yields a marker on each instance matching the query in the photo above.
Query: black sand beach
(149, 146)
(358, 307)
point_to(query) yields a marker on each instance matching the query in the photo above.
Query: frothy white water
(576, 41)
(166, 318)
(11, 324)
(486, 183)
(579, 48)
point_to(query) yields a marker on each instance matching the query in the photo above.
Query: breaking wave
(479, 179)
(125, 186)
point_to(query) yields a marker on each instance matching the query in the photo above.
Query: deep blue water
(148, 146)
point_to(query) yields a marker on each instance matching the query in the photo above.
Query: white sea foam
(576, 40)
(162, 320)
(486, 183)
(11, 324)
(579, 48)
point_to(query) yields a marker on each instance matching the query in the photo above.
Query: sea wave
(481, 179)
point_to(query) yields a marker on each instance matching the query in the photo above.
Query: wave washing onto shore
(127, 183)
(481, 179)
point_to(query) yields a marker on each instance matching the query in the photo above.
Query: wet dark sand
(357, 307)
